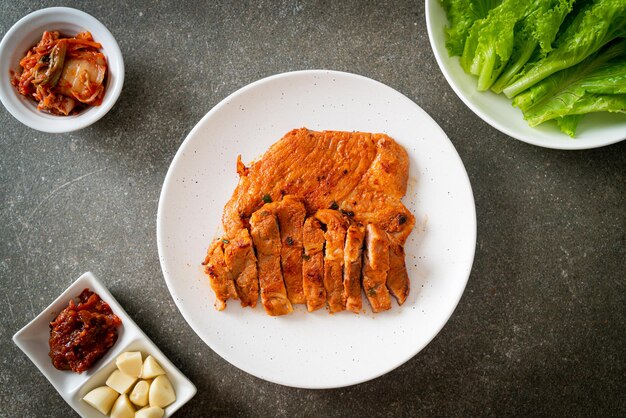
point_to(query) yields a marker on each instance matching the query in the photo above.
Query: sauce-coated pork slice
(220, 278)
(241, 262)
(333, 258)
(266, 238)
(313, 265)
(375, 268)
(290, 213)
(397, 278)
(352, 259)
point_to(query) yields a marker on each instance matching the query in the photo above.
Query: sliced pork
(352, 259)
(290, 213)
(241, 263)
(220, 279)
(313, 265)
(266, 238)
(335, 236)
(375, 268)
(397, 278)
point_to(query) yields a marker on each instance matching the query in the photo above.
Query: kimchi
(63, 74)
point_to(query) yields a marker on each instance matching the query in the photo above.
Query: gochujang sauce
(82, 333)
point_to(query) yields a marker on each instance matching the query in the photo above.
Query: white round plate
(595, 130)
(317, 350)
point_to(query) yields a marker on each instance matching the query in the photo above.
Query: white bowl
(595, 130)
(24, 35)
(33, 341)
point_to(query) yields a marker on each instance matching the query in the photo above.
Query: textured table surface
(541, 328)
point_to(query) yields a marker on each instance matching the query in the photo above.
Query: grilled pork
(313, 265)
(360, 173)
(241, 263)
(345, 180)
(266, 238)
(397, 278)
(375, 268)
(290, 213)
(220, 278)
(352, 267)
(335, 236)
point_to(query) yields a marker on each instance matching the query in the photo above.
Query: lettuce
(596, 84)
(568, 124)
(461, 15)
(537, 29)
(597, 24)
(557, 59)
(490, 40)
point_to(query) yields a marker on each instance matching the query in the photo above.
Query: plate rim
(567, 144)
(181, 151)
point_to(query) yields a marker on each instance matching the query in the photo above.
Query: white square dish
(33, 341)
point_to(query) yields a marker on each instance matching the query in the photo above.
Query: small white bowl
(24, 35)
(595, 130)
(33, 341)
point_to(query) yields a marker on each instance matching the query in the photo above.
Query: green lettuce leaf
(568, 124)
(538, 29)
(596, 84)
(490, 42)
(597, 24)
(589, 103)
(461, 16)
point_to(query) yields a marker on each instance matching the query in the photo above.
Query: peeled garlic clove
(122, 408)
(139, 394)
(121, 382)
(101, 398)
(130, 363)
(150, 412)
(151, 368)
(161, 392)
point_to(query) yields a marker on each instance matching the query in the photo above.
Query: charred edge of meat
(242, 170)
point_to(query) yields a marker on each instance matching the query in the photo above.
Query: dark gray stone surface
(540, 330)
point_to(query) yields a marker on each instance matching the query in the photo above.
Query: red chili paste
(82, 333)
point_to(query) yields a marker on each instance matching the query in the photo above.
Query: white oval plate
(595, 130)
(317, 350)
